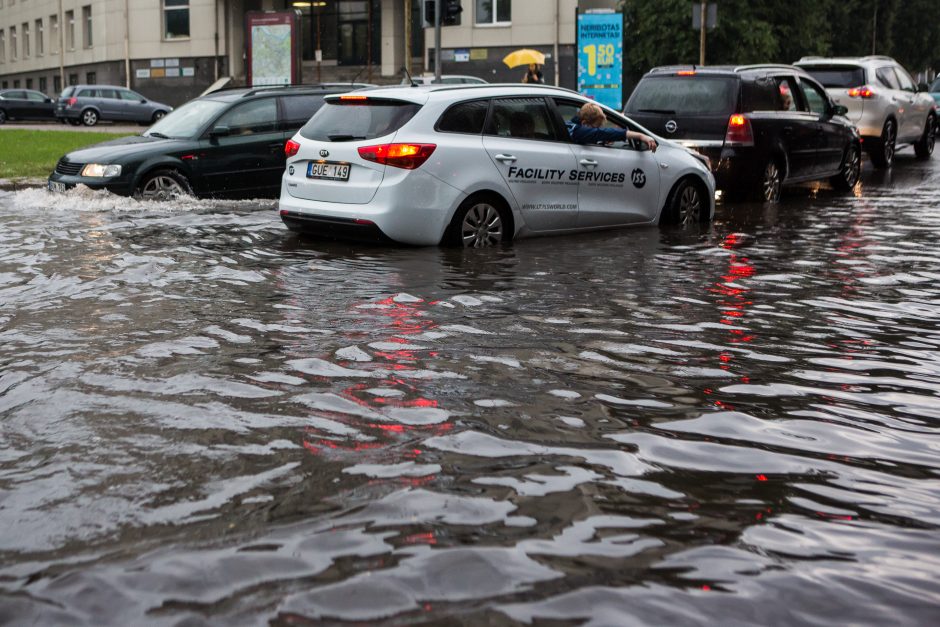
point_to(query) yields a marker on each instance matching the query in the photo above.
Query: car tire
(924, 146)
(882, 151)
(686, 205)
(850, 171)
(770, 182)
(3, 116)
(162, 184)
(157, 115)
(480, 221)
(89, 117)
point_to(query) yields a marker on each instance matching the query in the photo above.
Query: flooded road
(208, 420)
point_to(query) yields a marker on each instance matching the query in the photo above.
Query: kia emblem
(671, 126)
(324, 153)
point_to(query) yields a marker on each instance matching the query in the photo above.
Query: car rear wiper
(669, 111)
(344, 138)
(158, 135)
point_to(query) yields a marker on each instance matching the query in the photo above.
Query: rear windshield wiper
(669, 111)
(344, 138)
(159, 135)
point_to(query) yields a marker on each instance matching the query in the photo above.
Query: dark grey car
(25, 104)
(89, 104)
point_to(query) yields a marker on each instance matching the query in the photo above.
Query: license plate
(55, 186)
(328, 171)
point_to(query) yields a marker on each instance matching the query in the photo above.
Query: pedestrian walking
(533, 74)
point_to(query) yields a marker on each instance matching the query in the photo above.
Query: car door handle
(506, 158)
(590, 162)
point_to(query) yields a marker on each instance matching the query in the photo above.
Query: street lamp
(314, 28)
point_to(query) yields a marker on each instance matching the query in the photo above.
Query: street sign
(711, 15)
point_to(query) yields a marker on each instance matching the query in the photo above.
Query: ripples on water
(206, 418)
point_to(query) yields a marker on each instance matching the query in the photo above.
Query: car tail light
(291, 148)
(739, 131)
(861, 92)
(72, 101)
(407, 156)
(685, 73)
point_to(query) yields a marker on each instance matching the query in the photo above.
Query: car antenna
(411, 81)
(353, 81)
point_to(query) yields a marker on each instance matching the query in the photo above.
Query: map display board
(272, 48)
(600, 57)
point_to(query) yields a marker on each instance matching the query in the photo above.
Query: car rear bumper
(414, 209)
(733, 167)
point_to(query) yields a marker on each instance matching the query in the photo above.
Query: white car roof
(420, 94)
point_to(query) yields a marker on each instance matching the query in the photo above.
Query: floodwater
(208, 420)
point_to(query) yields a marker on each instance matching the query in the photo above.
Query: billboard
(600, 57)
(271, 48)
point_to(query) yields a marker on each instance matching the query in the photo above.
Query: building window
(91, 78)
(16, 83)
(86, 26)
(13, 51)
(56, 84)
(3, 47)
(29, 83)
(73, 79)
(25, 40)
(54, 34)
(43, 84)
(40, 43)
(175, 19)
(70, 30)
(493, 11)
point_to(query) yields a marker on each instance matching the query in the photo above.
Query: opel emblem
(671, 126)
(324, 153)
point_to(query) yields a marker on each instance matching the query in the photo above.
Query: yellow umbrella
(524, 56)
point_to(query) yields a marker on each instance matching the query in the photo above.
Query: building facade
(171, 50)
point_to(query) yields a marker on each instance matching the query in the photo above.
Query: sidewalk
(102, 127)
(11, 185)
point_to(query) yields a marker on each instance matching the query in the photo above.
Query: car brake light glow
(739, 131)
(352, 97)
(407, 156)
(291, 148)
(72, 101)
(861, 92)
(685, 73)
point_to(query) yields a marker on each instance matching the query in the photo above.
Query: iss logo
(638, 178)
(290, 169)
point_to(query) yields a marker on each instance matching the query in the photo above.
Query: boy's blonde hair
(591, 114)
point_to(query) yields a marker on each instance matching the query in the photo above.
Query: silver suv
(882, 101)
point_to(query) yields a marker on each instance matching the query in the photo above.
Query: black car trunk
(685, 106)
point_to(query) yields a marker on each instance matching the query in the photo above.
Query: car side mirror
(220, 131)
(143, 101)
(48, 100)
(923, 87)
(839, 109)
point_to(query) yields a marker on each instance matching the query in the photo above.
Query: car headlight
(101, 169)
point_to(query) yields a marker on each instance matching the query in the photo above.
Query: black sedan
(25, 104)
(227, 144)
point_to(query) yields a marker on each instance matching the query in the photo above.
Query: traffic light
(450, 12)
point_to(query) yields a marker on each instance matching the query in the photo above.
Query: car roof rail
(878, 57)
(472, 86)
(764, 66)
(266, 88)
(811, 57)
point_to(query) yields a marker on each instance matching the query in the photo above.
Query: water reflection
(209, 419)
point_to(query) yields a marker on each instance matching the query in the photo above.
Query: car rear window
(684, 95)
(67, 92)
(352, 120)
(838, 75)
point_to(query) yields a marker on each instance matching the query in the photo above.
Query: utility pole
(874, 28)
(437, 40)
(701, 38)
(408, 36)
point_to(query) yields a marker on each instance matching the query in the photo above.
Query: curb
(11, 185)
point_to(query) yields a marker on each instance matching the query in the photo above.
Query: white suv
(883, 102)
(476, 165)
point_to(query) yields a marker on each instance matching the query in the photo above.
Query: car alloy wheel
(924, 146)
(888, 139)
(157, 116)
(163, 185)
(3, 116)
(89, 117)
(481, 226)
(687, 205)
(852, 168)
(770, 188)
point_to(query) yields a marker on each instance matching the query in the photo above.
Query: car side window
(786, 99)
(464, 117)
(107, 93)
(88, 93)
(257, 116)
(129, 95)
(887, 77)
(15, 95)
(907, 84)
(35, 97)
(521, 118)
(815, 97)
(296, 110)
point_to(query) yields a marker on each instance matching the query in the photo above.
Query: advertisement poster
(600, 57)
(272, 48)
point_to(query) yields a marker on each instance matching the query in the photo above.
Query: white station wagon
(477, 165)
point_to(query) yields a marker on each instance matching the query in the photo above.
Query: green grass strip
(31, 154)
